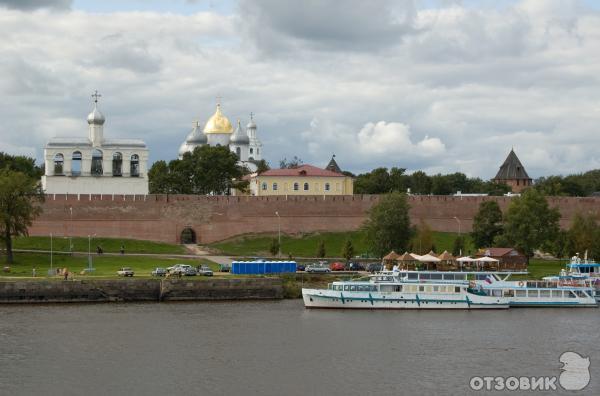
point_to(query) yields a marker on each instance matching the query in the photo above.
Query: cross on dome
(96, 95)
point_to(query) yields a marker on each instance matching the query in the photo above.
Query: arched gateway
(188, 236)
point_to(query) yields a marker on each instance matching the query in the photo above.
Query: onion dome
(239, 136)
(218, 123)
(185, 148)
(196, 136)
(95, 117)
(251, 124)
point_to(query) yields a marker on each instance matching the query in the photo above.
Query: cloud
(36, 4)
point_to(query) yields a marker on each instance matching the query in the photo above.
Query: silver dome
(239, 136)
(196, 136)
(95, 117)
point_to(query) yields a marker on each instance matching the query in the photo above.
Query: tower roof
(239, 136)
(512, 169)
(218, 123)
(333, 166)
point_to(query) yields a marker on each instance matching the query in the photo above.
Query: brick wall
(162, 217)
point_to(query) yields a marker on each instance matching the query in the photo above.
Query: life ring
(521, 283)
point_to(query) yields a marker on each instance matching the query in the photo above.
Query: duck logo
(575, 373)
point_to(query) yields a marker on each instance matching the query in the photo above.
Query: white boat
(580, 271)
(387, 291)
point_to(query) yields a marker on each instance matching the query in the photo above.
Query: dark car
(225, 267)
(300, 267)
(337, 266)
(375, 267)
(354, 266)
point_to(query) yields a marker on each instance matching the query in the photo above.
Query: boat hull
(317, 298)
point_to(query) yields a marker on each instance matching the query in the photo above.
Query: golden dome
(218, 123)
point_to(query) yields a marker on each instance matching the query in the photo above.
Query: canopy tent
(465, 260)
(428, 258)
(391, 256)
(486, 259)
(448, 261)
(407, 257)
(445, 256)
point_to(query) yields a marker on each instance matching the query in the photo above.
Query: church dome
(196, 137)
(185, 148)
(239, 136)
(95, 117)
(218, 123)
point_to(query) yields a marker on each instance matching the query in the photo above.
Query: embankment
(116, 290)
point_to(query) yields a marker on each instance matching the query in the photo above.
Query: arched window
(327, 186)
(257, 151)
(264, 186)
(238, 151)
(251, 150)
(76, 164)
(305, 186)
(117, 166)
(296, 186)
(135, 166)
(59, 161)
(274, 186)
(96, 169)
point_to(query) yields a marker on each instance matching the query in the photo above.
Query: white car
(317, 268)
(180, 269)
(125, 271)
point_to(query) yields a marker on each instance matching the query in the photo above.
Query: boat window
(521, 293)
(425, 276)
(346, 287)
(545, 293)
(398, 288)
(532, 293)
(580, 293)
(352, 288)
(456, 289)
(449, 276)
(413, 275)
(421, 288)
(571, 294)
(509, 293)
(436, 276)
(436, 288)
(557, 293)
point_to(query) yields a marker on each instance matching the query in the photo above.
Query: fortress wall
(162, 217)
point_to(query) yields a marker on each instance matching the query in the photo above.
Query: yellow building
(303, 180)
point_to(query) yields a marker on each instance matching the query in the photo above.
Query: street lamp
(279, 233)
(71, 232)
(458, 221)
(90, 266)
(51, 251)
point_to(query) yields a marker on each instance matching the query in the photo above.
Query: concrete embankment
(45, 291)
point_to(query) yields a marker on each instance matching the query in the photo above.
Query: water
(279, 348)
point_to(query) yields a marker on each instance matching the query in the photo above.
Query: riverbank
(120, 290)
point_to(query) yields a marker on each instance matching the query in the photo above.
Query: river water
(279, 348)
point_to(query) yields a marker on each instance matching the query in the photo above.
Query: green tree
(420, 183)
(21, 164)
(274, 248)
(375, 182)
(262, 166)
(159, 178)
(487, 223)
(388, 225)
(293, 163)
(530, 223)
(20, 196)
(321, 249)
(582, 234)
(458, 248)
(561, 248)
(422, 241)
(348, 250)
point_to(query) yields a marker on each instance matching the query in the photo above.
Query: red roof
(497, 252)
(303, 170)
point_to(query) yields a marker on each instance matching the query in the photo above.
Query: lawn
(305, 245)
(105, 266)
(539, 268)
(108, 245)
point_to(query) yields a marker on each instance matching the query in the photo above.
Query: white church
(95, 164)
(219, 131)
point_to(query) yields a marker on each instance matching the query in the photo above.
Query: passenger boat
(387, 291)
(580, 271)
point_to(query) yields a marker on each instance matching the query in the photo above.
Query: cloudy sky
(441, 86)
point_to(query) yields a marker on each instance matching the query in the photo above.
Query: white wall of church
(95, 185)
(218, 139)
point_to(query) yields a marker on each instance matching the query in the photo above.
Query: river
(279, 348)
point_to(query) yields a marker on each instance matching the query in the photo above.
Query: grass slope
(106, 266)
(305, 245)
(109, 245)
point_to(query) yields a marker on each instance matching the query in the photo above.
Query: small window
(96, 169)
(238, 151)
(327, 186)
(274, 186)
(76, 164)
(305, 186)
(117, 164)
(251, 151)
(456, 289)
(135, 166)
(257, 151)
(296, 186)
(59, 161)
(264, 186)
(421, 288)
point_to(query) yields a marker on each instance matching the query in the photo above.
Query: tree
(321, 249)
(21, 164)
(375, 182)
(274, 248)
(458, 248)
(293, 163)
(348, 250)
(159, 178)
(262, 166)
(487, 223)
(530, 223)
(20, 196)
(582, 234)
(420, 183)
(422, 241)
(388, 225)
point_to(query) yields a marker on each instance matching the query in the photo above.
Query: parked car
(125, 271)
(180, 269)
(337, 266)
(375, 267)
(225, 268)
(205, 271)
(355, 266)
(189, 271)
(159, 272)
(300, 267)
(317, 268)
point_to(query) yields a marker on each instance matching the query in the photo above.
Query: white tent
(486, 259)
(428, 258)
(465, 259)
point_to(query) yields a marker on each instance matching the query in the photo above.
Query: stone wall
(163, 218)
(44, 291)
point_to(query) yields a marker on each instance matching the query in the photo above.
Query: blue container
(262, 267)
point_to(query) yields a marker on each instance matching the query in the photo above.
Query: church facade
(218, 131)
(95, 164)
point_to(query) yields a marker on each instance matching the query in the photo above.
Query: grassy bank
(305, 245)
(105, 266)
(108, 245)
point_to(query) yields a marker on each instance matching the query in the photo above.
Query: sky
(440, 86)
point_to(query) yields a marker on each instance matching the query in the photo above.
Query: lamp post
(71, 232)
(278, 234)
(90, 264)
(458, 221)
(51, 251)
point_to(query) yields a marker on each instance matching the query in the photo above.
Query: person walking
(122, 249)
(33, 272)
